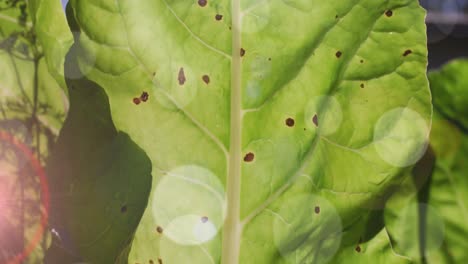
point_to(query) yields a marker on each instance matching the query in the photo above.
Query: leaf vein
(193, 34)
(200, 126)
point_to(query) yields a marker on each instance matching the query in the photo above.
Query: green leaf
(52, 30)
(271, 130)
(449, 139)
(445, 216)
(448, 86)
(377, 250)
(449, 192)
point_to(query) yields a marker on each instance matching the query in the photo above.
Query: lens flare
(36, 166)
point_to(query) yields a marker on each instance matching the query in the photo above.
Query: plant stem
(422, 177)
(35, 106)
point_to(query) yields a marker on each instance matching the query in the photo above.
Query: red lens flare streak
(40, 172)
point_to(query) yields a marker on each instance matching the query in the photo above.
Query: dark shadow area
(99, 178)
(422, 178)
(447, 29)
(450, 47)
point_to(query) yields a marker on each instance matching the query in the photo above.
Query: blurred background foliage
(431, 206)
(33, 107)
(447, 27)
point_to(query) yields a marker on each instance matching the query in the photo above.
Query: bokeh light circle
(189, 204)
(323, 114)
(401, 137)
(175, 86)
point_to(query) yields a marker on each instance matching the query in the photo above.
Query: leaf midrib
(232, 227)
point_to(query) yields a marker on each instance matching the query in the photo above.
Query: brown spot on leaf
(315, 120)
(136, 101)
(204, 219)
(317, 209)
(181, 76)
(361, 61)
(338, 54)
(290, 122)
(249, 157)
(159, 230)
(202, 3)
(151, 261)
(389, 13)
(407, 52)
(218, 17)
(362, 85)
(144, 96)
(269, 59)
(123, 209)
(206, 79)
(358, 249)
(242, 52)
(160, 261)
